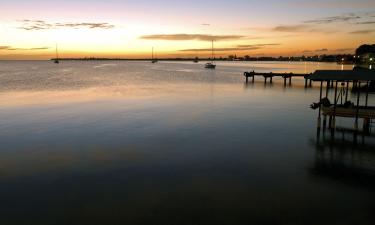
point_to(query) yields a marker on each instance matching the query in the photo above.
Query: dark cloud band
(10, 48)
(189, 37)
(43, 25)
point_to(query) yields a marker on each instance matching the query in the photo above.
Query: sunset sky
(30, 29)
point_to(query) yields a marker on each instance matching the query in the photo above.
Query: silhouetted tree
(364, 49)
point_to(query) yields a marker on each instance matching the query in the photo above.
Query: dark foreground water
(172, 143)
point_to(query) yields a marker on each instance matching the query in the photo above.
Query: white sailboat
(211, 65)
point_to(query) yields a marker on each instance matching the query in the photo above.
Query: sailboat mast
(57, 54)
(212, 51)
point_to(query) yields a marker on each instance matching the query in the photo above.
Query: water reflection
(171, 143)
(345, 156)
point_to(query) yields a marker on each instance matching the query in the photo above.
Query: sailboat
(211, 65)
(196, 59)
(57, 57)
(153, 60)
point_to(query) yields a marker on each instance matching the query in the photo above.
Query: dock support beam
(347, 91)
(327, 89)
(320, 106)
(366, 125)
(367, 90)
(333, 125)
(357, 112)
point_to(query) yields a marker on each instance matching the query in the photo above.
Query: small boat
(56, 60)
(153, 60)
(196, 60)
(211, 65)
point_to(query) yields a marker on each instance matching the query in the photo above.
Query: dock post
(284, 81)
(357, 112)
(271, 80)
(327, 89)
(347, 91)
(330, 122)
(290, 80)
(324, 122)
(247, 78)
(306, 82)
(253, 76)
(334, 108)
(310, 85)
(320, 106)
(367, 90)
(265, 80)
(366, 125)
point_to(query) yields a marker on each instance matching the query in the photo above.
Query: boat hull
(210, 66)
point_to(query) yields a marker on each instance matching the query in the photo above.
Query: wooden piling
(347, 91)
(334, 108)
(357, 111)
(320, 106)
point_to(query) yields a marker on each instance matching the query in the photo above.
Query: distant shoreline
(262, 59)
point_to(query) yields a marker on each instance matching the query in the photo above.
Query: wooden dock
(285, 76)
(341, 106)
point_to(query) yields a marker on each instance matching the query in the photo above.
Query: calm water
(173, 143)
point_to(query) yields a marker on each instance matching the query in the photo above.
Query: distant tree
(364, 49)
(247, 57)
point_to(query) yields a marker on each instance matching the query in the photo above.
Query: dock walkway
(285, 76)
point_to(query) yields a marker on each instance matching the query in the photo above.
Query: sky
(30, 29)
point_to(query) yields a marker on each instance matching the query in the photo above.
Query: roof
(343, 75)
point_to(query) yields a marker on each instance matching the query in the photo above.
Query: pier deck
(270, 76)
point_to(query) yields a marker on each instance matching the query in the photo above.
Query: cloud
(5, 47)
(322, 50)
(43, 25)
(317, 50)
(362, 32)
(334, 19)
(257, 45)
(219, 49)
(366, 22)
(300, 28)
(291, 28)
(237, 48)
(326, 50)
(343, 49)
(10, 48)
(188, 37)
(335, 4)
(39, 48)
